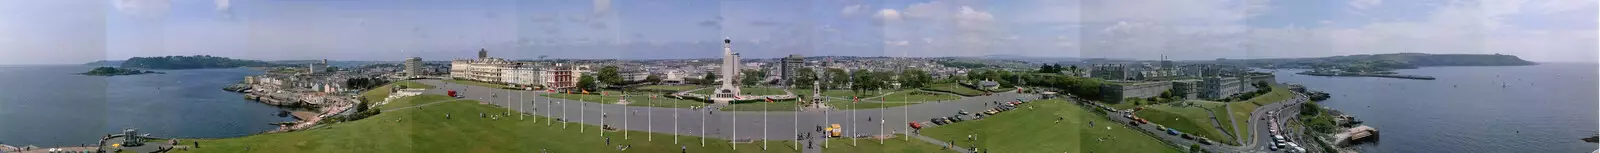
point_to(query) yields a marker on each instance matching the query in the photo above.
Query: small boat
(1592, 139)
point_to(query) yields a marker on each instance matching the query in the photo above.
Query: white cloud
(144, 8)
(888, 15)
(602, 6)
(852, 9)
(224, 5)
(1364, 4)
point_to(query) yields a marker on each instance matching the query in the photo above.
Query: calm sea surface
(1540, 108)
(53, 106)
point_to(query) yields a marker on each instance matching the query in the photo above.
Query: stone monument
(728, 92)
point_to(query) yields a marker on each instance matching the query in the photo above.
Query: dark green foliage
(609, 75)
(710, 78)
(804, 77)
(587, 82)
(112, 71)
(751, 77)
(364, 83)
(190, 62)
(836, 77)
(961, 64)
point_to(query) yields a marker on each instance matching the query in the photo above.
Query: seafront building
(562, 76)
(527, 77)
(482, 69)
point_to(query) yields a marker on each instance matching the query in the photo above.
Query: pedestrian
(683, 148)
(608, 140)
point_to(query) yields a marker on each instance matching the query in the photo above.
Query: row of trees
(1056, 68)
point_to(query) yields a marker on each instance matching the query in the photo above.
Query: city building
(483, 69)
(413, 67)
(787, 70)
(1117, 91)
(562, 76)
(526, 77)
(1109, 72)
(316, 67)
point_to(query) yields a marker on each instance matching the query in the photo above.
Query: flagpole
(651, 120)
(764, 123)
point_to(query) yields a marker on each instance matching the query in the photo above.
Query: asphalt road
(1262, 137)
(736, 125)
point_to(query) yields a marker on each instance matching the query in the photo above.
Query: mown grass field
(634, 99)
(1241, 110)
(671, 87)
(955, 88)
(1037, 130)
(427, 130)
(917, 96)
(475, 83)
(381, 92)
(1191, 120)
(748, 91)
(898, 144)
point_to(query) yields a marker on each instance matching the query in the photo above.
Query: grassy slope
(377, 94)
(475, 83)
(1192, 120)
(1035, 130)
(1241, 110)
(670, 87)
(958, 89)
(749, 91)
(917, 96)
(634, 99)
(426, 130)
(835, 93)
(897, 144)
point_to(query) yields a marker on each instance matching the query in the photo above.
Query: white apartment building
(522, 76)
(483, 69)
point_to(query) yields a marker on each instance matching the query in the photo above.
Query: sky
(78, 31)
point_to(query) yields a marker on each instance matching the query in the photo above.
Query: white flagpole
(764, 124)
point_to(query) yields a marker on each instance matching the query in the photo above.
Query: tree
(586, 82)
(710, 78)
(914, 78)
(751, 77)
(804, 77)
(609, 75)
(1195, 148)
(653, 79)
(835, 78)
(862, 80)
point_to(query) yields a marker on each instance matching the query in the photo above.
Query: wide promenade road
(748, 125)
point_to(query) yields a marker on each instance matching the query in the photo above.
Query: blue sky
(76, 31)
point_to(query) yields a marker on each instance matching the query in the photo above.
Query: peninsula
(1382, 65)
(188, 62)
(112, 71)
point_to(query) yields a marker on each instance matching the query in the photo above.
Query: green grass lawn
(414, 100)
(671, 87)
(1192, 120)
(955, 88)
(763, 105)
(896, 144)
(836, 93)
(1241, 110)
(1036, 130)
(475, 83)
(918, 96)
(634, 99)
(426, 130)
(749, 91)
(377, 94)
